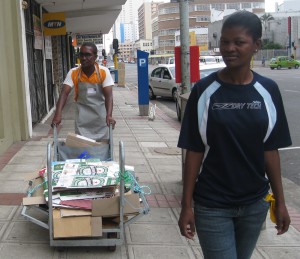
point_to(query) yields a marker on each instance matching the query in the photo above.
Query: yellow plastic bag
(270, 198)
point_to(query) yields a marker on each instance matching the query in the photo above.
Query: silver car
(205, 70)
(162, 82)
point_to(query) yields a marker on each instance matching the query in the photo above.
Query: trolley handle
(55, 141)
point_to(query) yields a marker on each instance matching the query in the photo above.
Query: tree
(272, 45)
(265, 19)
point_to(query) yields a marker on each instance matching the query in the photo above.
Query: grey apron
(90, 115)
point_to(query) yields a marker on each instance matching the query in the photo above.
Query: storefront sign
(94, 38)
(54, 24)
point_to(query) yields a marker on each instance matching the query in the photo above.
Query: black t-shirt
(233, 125)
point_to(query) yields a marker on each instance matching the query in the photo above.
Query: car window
(166, 74)
(172, 70)
(156, 72)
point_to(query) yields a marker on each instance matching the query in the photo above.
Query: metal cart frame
(107, 239)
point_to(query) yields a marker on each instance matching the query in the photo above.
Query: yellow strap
(270, 198)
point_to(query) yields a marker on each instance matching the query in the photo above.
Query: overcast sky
(270, 5)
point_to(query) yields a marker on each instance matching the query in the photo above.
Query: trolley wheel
(114, 247)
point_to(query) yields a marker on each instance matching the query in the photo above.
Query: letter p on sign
(142, 62)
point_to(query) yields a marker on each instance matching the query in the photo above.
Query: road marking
(293, 91)
(289, 148)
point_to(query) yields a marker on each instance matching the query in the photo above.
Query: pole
(185, 61)
(184, 42)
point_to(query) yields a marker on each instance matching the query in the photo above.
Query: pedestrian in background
(92, 85)
(233, 126)
(263, 61)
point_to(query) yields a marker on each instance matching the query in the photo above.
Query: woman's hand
(186, 223)
(282, 219)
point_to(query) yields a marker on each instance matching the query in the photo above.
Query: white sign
(48, 47)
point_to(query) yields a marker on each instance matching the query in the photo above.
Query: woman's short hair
(247, 20)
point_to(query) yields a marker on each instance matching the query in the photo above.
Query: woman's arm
(186, 221)
(272, 163)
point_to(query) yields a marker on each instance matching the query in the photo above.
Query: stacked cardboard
(84, 195)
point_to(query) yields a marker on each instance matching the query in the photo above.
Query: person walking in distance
(93, 96)
(233, 126)
(263, 61)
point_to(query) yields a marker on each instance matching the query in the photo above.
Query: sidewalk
(150, 146)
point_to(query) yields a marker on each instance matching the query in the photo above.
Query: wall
(13, 115)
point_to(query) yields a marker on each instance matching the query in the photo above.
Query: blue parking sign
(143, 81)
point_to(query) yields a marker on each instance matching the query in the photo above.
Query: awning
(86, 16)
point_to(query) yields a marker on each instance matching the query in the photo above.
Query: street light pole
(184, 42)
(185, 61)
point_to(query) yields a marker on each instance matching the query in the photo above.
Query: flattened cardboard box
(74, 140)
(84, 226)
(111, 206)
(37, 197)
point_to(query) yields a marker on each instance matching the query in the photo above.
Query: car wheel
(278, 67)
(296, 66)
(289, 67)
(272, 68)
(174, 95)
(151, 94)
(178, 111)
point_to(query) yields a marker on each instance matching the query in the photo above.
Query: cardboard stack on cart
(85, 198)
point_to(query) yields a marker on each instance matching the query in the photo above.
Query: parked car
(283, 62)
(207, 60)
(162, 82)
(205, 70)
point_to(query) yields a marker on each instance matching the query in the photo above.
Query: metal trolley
(112, 235)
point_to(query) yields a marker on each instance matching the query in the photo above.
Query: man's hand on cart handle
(110, 120)
(56, 121)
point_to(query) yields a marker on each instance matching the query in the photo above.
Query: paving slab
(145, 177)
(27, 251)
(21, 160)
(174, 177)
(26, 232)
(95, 253)
(13, 186)
(159, 215)
(269, 236)
(154, 234)
(160, 252)
(278, 252)
(172, 188)
(7, 212)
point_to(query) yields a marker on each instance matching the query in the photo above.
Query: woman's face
(237, 47)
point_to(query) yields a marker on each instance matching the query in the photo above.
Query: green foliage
(265, 19)
(272, 45)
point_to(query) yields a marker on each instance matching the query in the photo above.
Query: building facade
(126, 25)
(126, 51)
(145, 13)
(33, 65)
(167, 21)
